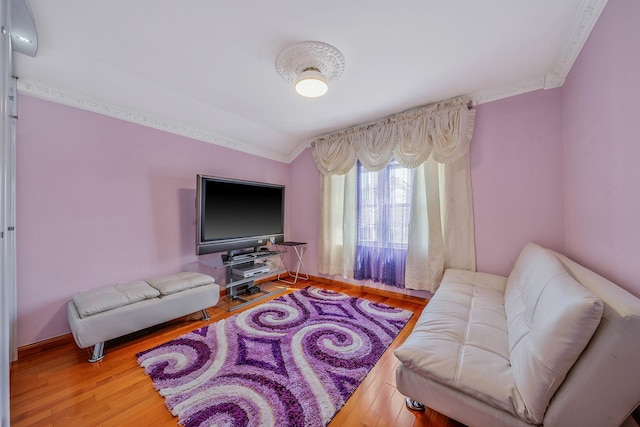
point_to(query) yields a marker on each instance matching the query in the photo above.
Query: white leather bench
(99, 315)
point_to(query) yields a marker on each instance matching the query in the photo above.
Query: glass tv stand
(245, 278)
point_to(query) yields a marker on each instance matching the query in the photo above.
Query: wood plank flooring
(58, 387)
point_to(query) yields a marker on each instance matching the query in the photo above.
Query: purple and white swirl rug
(292, 361)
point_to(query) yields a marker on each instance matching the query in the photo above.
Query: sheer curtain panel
(337, 228)
(383, 212)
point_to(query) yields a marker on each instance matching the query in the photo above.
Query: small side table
(299, 248)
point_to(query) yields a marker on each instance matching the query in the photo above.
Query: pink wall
(304, 198)
(102, 201)
(516, 174)
(602, 148)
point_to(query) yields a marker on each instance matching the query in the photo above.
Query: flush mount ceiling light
(310, 67)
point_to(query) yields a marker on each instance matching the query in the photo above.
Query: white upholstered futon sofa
(553, 344)
(102, 314)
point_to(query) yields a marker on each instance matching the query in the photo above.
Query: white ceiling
(206, 68)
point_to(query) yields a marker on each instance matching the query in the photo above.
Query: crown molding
(590, 11)
(39, 90)
(586, 19)
(298, 150)
(506, 91)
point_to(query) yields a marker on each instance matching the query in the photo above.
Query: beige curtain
(435, 141)
(337, 228)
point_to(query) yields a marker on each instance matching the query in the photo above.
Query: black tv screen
(234, 214)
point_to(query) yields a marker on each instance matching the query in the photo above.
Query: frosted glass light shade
(311, 83)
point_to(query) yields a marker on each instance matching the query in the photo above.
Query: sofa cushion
(98, 300)
(550, 320)
(460, 340)
(173, 283)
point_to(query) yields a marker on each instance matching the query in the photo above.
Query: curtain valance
(443, 130)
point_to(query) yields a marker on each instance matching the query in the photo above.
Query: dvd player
(249, 270)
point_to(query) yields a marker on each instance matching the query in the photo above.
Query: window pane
(384, 201)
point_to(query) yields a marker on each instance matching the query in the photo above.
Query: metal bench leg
(205, 315)
(98, 352)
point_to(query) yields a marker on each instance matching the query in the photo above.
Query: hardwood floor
(58, 387)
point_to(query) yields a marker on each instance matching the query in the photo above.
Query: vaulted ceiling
(206, 69)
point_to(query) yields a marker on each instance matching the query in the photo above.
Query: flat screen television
(233, 214)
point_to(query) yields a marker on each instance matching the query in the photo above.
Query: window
(383, 213)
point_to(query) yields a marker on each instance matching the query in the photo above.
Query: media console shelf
(241, 290)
